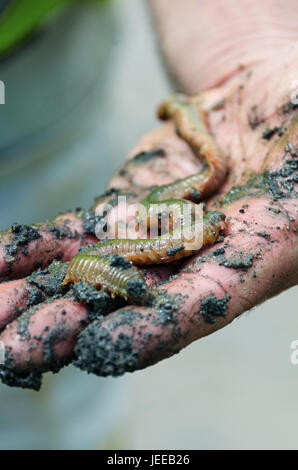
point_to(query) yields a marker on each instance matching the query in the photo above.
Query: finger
(42, 339)
(14, 298)
(25, 248)
(159, 158)
(17, 296)
(256, 260)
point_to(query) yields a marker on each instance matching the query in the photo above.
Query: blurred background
(78, 96)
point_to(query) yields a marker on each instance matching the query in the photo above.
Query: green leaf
(22, 17)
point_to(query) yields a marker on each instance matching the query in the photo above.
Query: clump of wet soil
(117, 261)
(24, 379)
(212, 307)
(90, 221)
(280, 184)
(22, 235)
(174, 251)
(98, 353)
(237, 261)
(49, 280)
(97, 302)
(166, 307)
(59, 231)
(138, 292)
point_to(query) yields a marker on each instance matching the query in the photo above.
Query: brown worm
(94, 265)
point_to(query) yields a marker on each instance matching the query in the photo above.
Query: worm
(113, 273)
(97, 265)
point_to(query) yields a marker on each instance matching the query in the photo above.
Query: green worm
(97, 264)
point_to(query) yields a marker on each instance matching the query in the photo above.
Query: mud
(23, 323)
(237, 261)
(99, 354)
(125, 316)
(60, 231)
(97, 302)
(289, 107)
(90, 221)
(212, 307)
(49, 280)
(264, 235)
(9, 375)
(120, 262)
(139, 292)
(22, 235)
(278, 184)
(218, 252)
(51, 362)
(35, 296)
(269, 133)
(174, 251)
(166, 307)
(144, 157)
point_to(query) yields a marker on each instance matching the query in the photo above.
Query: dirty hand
(252, 114)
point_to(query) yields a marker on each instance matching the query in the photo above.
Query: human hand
(256, 260)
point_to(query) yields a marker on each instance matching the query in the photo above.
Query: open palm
(45, 326)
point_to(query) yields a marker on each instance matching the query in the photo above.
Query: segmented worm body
(97, 264)
(113, 273)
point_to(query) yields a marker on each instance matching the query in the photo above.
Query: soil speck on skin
(279, 184)
(218, 252)
(9, 375)
(50, 280)
(50, 360)
(90, 221)
(264, 235)
(138, 290)
(22, 236)
(273, 209)
(238, 261)
(174, 251)
(289, 107)
(23, 323)
(35, 296)
(143, 157)
(213, 306)
(120, 262)
(269, 133)
(166, 307)
(98, 302)
(59, 231)
(254, 118)
(100, 354)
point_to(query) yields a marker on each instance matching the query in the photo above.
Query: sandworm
(97, 264)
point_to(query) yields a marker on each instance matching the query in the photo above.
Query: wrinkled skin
(254, 99)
